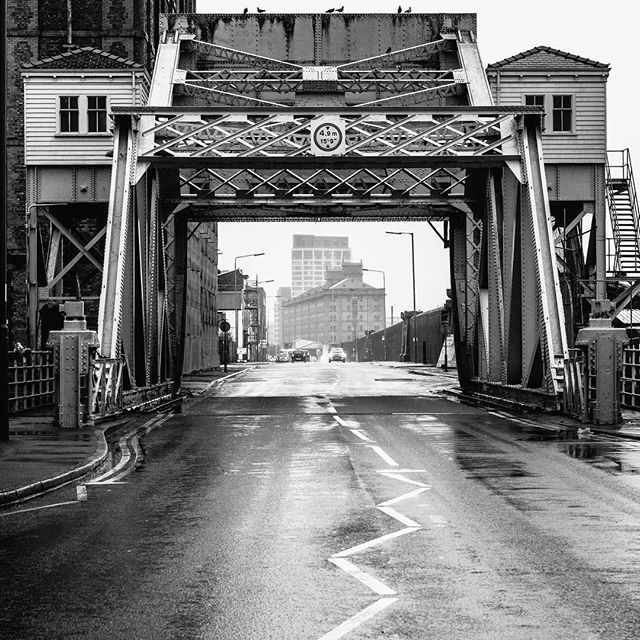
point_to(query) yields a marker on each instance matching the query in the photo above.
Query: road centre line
(340, 421)
(331, 409)
(391, 474)
(388, 459)
(355, 621)
(373, 583)
(404, 496)
(407, 522)
(374, 542)
(402, 471)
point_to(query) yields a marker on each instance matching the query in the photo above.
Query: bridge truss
(233, 137)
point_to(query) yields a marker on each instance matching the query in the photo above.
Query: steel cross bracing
(403, 77)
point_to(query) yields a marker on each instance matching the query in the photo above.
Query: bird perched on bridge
(329, 10)
(408, 10)
(388, 50)
(260, 10)
(246, 10)
(340, 10)
(399, 9)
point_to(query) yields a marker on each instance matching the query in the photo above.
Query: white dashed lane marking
(387, 458)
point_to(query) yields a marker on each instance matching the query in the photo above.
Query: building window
(82, 114)
(97, 114)
(69, 114)
(534, 100)
(562, 113)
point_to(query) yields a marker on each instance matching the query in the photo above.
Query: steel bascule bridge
(263, 117)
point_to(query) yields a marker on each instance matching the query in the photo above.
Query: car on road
(283, 356)
(300, 355)
(337, 354)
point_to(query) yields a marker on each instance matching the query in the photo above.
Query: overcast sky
(601, 31)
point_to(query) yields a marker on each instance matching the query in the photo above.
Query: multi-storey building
(275, 330)
(342, 309)
(311, 256)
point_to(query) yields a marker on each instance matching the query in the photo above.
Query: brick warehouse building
(68, 63)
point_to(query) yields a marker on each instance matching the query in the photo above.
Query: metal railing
(575, 379)
(107, 393)
(630, 391)
(619, 179)
(32, 379)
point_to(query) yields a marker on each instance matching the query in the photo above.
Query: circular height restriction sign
(224, 326)
(327, 136)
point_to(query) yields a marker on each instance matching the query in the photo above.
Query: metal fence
(630, 394)
(32, 379)
(574, 400)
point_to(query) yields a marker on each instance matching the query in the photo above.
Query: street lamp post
(413, 272)
(235, 290)
(384, 308)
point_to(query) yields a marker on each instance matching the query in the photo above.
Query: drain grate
(394, 379)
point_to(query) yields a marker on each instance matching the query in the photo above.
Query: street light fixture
(384, 307)
(413, 272)
(235, 289)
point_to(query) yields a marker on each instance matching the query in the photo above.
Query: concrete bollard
(73, 346)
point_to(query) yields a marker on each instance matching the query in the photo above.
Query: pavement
(40, 456)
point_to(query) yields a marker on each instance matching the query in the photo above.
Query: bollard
(602, 344)
(73, 346)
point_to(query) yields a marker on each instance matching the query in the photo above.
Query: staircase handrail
(626, 175)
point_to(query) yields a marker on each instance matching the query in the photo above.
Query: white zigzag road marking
(339, 558)
(391, 474)
(355, 621)
(408, 522)
(387, 458)
(374, 542)
(404, 496)
(373, 583)
(359, 434)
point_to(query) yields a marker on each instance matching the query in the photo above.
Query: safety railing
(105, 397)
(108, 395)
(575, 385)
(32, 379)
(630, 391)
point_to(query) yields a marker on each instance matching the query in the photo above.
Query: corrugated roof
(533, 57)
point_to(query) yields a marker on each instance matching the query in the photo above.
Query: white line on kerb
(373, 583)
(374, 542)
(407, 522)
(355, 621)
(388, 459)
(404, 496)
(44, 506)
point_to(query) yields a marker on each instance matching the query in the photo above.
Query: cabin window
(69, 114)
(562, 113)
(534, 101)
(83, 114)
(97, 114)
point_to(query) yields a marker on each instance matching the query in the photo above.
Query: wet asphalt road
(309, 501)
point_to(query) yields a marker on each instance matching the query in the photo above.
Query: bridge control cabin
(572, 91)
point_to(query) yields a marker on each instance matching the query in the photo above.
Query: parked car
(300, 355)
(283, 356)
(337, 354)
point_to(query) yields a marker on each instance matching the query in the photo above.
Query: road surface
(323, 501)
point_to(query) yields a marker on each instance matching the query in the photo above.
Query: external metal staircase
(625, 215)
